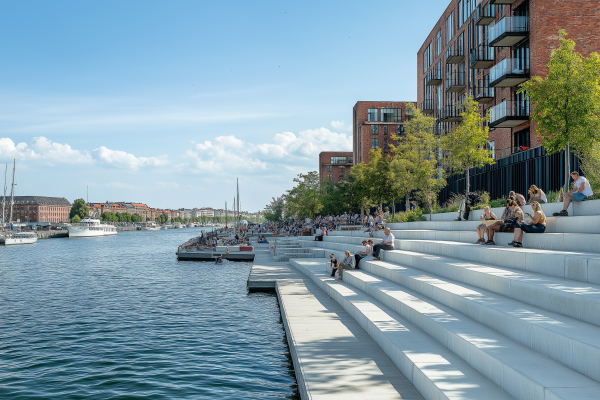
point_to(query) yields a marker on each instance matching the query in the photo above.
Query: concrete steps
(434, 370)
(520, 371)
(573, 343)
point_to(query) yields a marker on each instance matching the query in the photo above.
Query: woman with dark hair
(537, 194)
(512, 215)
(333, 263)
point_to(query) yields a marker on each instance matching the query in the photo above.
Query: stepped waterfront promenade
(456, 320)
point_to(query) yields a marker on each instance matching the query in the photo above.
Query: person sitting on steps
(362, 254)
(333, 263)
(512, 214)
(536, 225)
(387, 244)
(581, 191)
(481, 229)
(518, 197)
(347, 263)
(537, 194)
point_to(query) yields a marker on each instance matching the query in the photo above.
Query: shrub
(408, 216)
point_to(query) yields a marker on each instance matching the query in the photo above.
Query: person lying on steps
(536, 225)
(581, 191)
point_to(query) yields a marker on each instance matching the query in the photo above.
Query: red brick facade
(334, 165)
(39, 209)
(581, 19)
(375, 132)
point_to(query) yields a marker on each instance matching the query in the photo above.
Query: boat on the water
(90, 227)
(24, 237)
(150, 226)
(178, 225)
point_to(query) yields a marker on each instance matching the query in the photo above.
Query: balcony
(509, 31)
(427, 107)
(481, 57)
(455, 82)
(482, 93)
(485, 15)
(509, 72)
(503, 2)
(509, 114)
(451, 114)
(433, 77)
(455, 54)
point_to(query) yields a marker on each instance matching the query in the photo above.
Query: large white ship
(90, 227)
(11, 238)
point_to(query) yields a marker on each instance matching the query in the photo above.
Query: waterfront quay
(440, 317)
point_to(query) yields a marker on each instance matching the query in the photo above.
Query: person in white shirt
(362, 254)
(581, 191)
(387, 244)
(537, 194)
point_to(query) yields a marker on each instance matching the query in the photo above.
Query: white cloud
(286, 151)
(341, 125)
(121, 159)
(43, 149)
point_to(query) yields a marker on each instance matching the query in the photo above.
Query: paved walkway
(334, 358)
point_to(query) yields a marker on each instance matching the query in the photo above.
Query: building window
(492, 148)
(374, 143)
(391, 115)
(449, 28)
(342, 169)
(521, 140)
(385, 129)
(438, 43)
(329, 177)
(400, 130)
(427, 58)
(385, 144)
(350, 160)
(372, 115)
(329, 168)
(461, 12)
(338, 160)
(374, 129)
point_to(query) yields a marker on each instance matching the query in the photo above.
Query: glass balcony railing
(502, 2)
(509, 114)
(481, 57)
(509, 72)
(509, 31)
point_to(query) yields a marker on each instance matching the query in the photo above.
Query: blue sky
(167, 102)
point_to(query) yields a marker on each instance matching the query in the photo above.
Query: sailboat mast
(225, 215)
(12, 192)
(4, 197)
(238, 199)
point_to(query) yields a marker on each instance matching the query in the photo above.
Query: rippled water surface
(121, 318)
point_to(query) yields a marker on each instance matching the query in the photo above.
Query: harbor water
(120, 318)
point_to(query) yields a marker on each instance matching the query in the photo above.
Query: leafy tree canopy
(79, 208)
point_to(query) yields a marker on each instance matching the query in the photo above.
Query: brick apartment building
(486, 48)
(373, 124)
(334, 165)
(39, 209)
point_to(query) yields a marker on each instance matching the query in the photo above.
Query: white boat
(178, 225)
(11, 238)
(150, 226)
(90, 227)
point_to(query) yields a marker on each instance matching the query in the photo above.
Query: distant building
(373, 124)
(39, 209)
(334, 165)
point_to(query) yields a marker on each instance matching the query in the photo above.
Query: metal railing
(482, 90)
(485, 15)
(509, 25)
(455, 80)
(427, 106)
(481, 54)
(433, 77)
(455, 53)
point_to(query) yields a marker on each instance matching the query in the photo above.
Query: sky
(169, 102)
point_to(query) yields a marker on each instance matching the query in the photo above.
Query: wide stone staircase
(466, 321)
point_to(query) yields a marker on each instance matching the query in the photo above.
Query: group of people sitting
(371, 252)
(377, 222)
(513, 217)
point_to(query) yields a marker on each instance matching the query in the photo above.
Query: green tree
(109, 217)
(274, 211)
(467, 145)
(136, 218)
(417, 155)
(79, 208)
(379, 175)
(76, 219)
(305, 199)
(566, 104)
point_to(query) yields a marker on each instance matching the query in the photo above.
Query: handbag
(510, 223)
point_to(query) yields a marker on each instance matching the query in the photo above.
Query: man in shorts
(581, 191)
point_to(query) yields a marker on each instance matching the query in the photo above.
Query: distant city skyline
(157, 102)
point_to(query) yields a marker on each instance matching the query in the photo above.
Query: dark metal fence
(516, 172)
